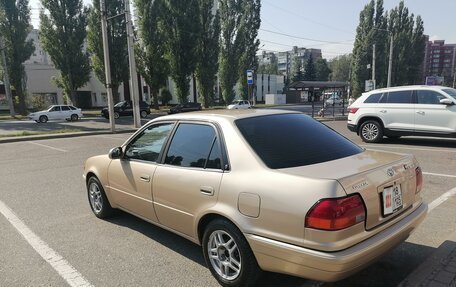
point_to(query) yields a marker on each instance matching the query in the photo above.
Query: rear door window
(65, 108)
(399, 97)
(194, 145)
(290, 140)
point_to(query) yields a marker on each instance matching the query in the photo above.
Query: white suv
(404, 111)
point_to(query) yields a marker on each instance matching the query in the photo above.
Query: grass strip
(27, 133)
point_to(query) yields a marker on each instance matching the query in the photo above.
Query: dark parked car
(125, 108)
(188, 107)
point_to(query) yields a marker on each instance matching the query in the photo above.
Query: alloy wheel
(224, 255)
(96, 199)
(370, 131)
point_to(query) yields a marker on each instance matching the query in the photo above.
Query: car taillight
(353, 110)
(419, 179)
(336, 213)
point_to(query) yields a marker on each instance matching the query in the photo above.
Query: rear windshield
(291, 140)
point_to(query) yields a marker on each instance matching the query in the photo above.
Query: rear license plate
(392, 199)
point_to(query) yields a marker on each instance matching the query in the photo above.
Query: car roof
(230, 115)
(402, 88)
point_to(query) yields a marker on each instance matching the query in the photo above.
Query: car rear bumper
(290, 259)
(352, 128)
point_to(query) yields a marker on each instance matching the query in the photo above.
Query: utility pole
(6, 81)
(373, 65)
(104, 32)
(131, 59)
(390, 62)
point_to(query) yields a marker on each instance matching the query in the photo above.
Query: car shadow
(421, 141)
(390, 270)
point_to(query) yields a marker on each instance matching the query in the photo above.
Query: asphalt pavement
(43, 188)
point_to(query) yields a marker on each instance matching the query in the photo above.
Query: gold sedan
(262, 190)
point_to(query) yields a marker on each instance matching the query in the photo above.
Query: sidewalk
(438, 270)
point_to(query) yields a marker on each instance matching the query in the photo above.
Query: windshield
(290, 140)
(49, 108)
(119, 104)
(451, 92)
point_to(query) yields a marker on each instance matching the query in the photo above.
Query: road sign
(249, 77)
(370, 85)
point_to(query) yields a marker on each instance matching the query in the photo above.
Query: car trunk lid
(385, 181)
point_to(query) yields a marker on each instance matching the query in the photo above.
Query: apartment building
(440, 60)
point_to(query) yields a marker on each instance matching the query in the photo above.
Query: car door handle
(420, 112)
(145, 178)
(207, 190)
(383, 111)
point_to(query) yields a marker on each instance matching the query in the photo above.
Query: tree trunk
(155, 98)
(115, 93)
(74, 98)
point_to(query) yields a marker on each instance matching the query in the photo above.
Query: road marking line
(439, 174)
(441, 199)
(54, 148)
(65, 270)
(410, 148)
(115, 138)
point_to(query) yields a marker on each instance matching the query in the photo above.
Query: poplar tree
(15, 27)
(151, 50)
(117, 43)
(62, 34)
(208, 50)
(182, 31)
(310, 74)
(322, 70)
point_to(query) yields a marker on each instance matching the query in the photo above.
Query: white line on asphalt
(439, 174)
(46, 146)
(410, 148)
(441, 199)
(65, 270)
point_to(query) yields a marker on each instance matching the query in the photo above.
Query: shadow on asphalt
(423, 142)
(406, 258)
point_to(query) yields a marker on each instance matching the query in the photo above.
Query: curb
(62, 135)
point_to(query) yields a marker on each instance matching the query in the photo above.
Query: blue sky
(315, 23)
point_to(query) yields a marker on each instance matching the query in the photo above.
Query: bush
(165, 96)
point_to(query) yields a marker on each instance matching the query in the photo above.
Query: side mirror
(447, 102)
(115, 153)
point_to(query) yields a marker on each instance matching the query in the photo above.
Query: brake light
(419, 179)
(352, 110)
(336, 213)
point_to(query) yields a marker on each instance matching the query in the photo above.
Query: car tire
(74, 117)
(371, 131)
(143, 114)
(116, 115)
(97, 199)
(43, 119)
(228, 255)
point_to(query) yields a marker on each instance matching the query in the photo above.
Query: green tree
(62, 34)
(271, 68)
(340, 68)
(182, 32)
(409, 44)
(15, 27)
(231, 45)
(250, 23)
(208, 50)
(310, 73)
(297, 70)
(165, 96)
(322, 70)
(117, 42)
(151, 50)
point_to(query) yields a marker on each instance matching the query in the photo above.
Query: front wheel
(74, 118)
(97, 198)
(143, 114)
(43, 119)
(228, 255)
(116, 115)
(371, 131)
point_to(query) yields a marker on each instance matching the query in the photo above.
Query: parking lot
(44, 194)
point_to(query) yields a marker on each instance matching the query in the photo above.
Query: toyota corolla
(262, 190)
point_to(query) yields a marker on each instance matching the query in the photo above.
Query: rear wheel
(74, 117)
(116, 115)
(228, 255)
(143, 114)
(97, 198)
(371, 131)
(43, 119)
